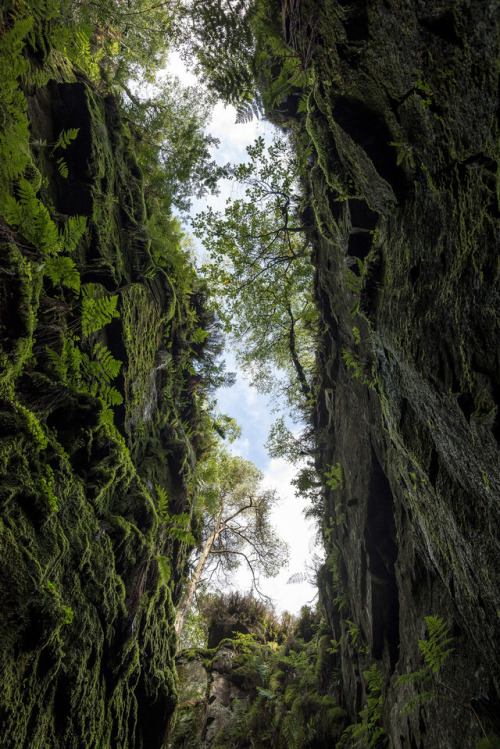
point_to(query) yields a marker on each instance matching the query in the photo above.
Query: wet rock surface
(404, 121)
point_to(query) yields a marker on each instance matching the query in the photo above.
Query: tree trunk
(187, 598)
(295, 359)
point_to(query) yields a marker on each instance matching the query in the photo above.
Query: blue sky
(251, 409)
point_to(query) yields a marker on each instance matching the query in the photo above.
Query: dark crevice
(382, 552)
(434, 467)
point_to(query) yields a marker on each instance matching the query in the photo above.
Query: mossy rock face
(86, 628)
(255, 695)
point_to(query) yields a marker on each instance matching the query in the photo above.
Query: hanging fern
(61, 269)
(247, 110)
(66, 365)
(164, 568)
(106, 393)
(65, 138)
(436, 648)
(96, 312)
(333, 477)
(162, 506)
(57, 364)
(62, 168)
(109, 366)
(109, 395)
(71, 233)
(33, 220)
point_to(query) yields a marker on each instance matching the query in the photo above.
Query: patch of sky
(252, 410)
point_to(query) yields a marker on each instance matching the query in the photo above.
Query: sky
(251, 409)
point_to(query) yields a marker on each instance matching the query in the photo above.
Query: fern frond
(162, 506)
(109, 395)
(298, 577)
(26, 193)
(62, 270)
(57, 364)
(62, 168)
(110, 367)
(65, 138)
(164, 568)
(436, 648)
(247, 110)
(12, 211)
(97, 312)
(72, 232)
(107, 415)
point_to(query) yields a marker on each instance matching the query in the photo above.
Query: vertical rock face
(87, 571)
(403, 118)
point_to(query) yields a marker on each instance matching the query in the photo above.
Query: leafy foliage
(217, 36)
(97, 311)
(65, 138)
(333, 477)
(172, 145)
(62, 269)
(260, 273)
(368, 732)
(290, 704)
(436, 649)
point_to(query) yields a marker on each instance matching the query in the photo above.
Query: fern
(62, 168)
(109, 395)
(109, 366)
(63, 270)
(71, 233)
(333, 477)
(178, 526)
(107, 416)
(291, 728)
(96, 312)
(436, 648)
(297, 577)
(66, 365)
(368, 732)
(73, 357)
(98, 381)
(179, 529)
(162, 506)
(247, 110)
(266, 693)
(164, 568)
(65, 138)
(57, 364)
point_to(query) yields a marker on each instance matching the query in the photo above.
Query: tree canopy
(234, 513)
(259, 271)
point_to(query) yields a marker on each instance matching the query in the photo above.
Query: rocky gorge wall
(98, 410)
(403, 118)
(99, 423)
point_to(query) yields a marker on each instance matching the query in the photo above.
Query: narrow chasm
(303, 553)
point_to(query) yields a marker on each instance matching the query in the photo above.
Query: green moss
(86, 631)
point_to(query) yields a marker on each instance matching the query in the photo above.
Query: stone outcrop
(209, 698)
